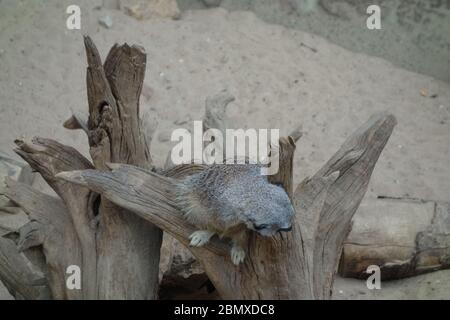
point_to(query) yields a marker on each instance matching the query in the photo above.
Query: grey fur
(224, 196)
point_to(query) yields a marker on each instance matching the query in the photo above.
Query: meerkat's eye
(260, 227)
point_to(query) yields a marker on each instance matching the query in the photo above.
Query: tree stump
(117, 252)
(108, 214)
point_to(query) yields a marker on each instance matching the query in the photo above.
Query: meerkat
(229, 200)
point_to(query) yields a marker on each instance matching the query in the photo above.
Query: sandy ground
(278, 81)
(431, 286)
(414, 33)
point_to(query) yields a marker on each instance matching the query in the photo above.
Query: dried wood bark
(110, 213)
(298, 265)
(403, 237)
(128, 248)
(118, 252)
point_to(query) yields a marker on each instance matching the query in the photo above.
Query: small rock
(164, 136)
(212, 3)
(182, 121)
(111, 4)
(106, 21)
(147, 9)
(15, 170)
(147, 92)
(224, 59)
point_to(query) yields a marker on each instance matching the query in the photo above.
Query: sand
(414, 33)
(280, 77)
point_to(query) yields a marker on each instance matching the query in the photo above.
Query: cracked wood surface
(300, 264)
(108, 220)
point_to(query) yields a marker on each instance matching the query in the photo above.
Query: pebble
(180, 122)
(212, 3)
(164, 136)
(106, 21)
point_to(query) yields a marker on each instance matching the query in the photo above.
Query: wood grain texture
(127, 247)
(298, 265)
(110, 213)
(117, 251)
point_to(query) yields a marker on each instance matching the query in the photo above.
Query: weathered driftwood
(182, 276)
(300, 264)
(105, 220)
(50, 228)
(404, 237)
(128, 247)
(16, 170)
(118, 252)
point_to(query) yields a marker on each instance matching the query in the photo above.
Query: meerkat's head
(272, 213)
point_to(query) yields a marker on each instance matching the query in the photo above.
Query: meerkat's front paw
(200, 238)
(237, 255)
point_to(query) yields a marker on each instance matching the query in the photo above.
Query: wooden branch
(77, 121)
(378, 237)
(300, 264)
(309, 199)
(51, 226)
(215, 112)
(49, 157)
(354, 161)
(148, 127)
(146, 193)
(284, 176)
(118, 252)
(216, 117)
(123, 240)
(113, 95)
(151, 196)
(21, 279)
(297, 133)
(37, 205)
